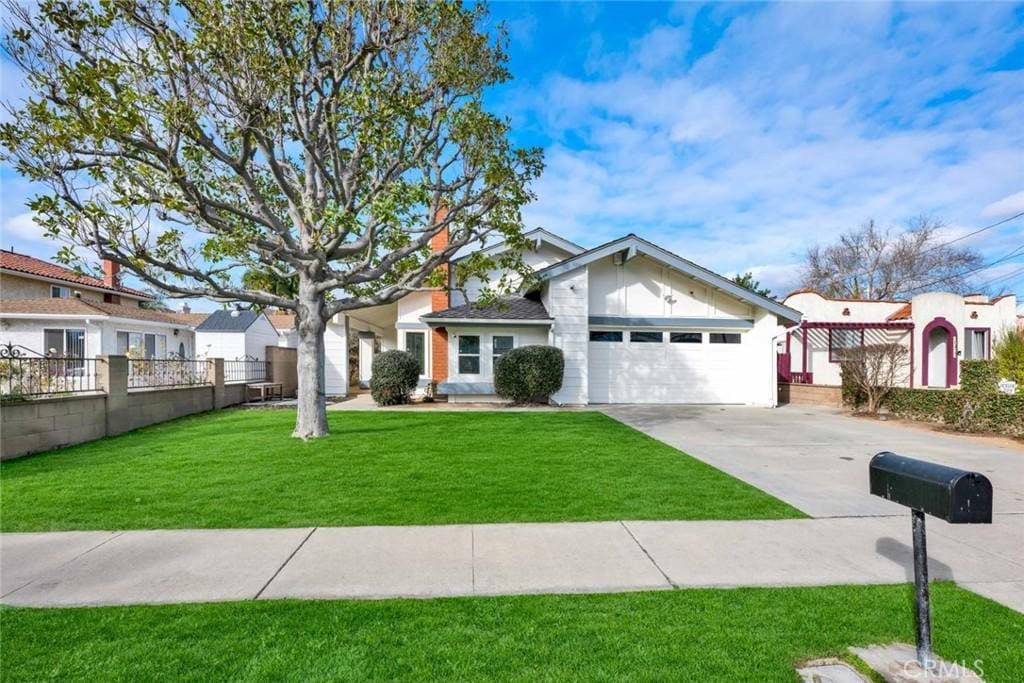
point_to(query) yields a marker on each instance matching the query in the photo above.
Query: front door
(938, 357)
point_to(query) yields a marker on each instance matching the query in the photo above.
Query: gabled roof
(537, 235)
(74, 306)
(229, 321)
(635, 245)
(29, 265)
(282, 320)
(514, 309)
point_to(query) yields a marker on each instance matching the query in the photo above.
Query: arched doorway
(938, 345)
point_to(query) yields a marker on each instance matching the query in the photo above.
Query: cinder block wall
(43, 424)
(284, 368)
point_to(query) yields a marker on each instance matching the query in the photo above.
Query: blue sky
(737, 135)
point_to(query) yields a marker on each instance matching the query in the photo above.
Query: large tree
(881, 263)
(320, 143)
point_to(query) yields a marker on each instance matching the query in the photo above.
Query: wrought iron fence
(25, 374)
(145, 373)
(246, 370)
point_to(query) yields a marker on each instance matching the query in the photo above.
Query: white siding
(523, 336)
(536, 259)
(644, 287)
(336, 352)
(258, 337)
(567, 302)
(227, 345)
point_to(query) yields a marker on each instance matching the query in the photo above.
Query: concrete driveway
(817, 459)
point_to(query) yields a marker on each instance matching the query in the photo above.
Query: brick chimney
(440, 299)
(111, 274)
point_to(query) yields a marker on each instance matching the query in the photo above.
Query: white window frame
(62, 293)
(986, 343)
(426, 348)
(494, 356)
(479, 355)
(64, 340)
(156, 347)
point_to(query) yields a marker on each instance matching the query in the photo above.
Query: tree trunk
(311, 420)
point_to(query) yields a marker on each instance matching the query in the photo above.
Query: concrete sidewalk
(96, 568)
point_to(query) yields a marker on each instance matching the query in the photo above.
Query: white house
(235, 335)
(49, 309)
(636, 323)
(938, 329)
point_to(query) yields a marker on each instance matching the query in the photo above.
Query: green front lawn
(750, 634)
(241, 468)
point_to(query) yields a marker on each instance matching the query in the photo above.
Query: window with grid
(500, 345)
(469, 354)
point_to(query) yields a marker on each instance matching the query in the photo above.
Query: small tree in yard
(870, 372)
(1009, 356)
(395, 375)
(529, 374)
(317, 146)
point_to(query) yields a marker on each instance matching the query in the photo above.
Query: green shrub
(978, 377)
(976, 407)
(853, 395)
(529, 374)
(1009, 356)
(394, 376)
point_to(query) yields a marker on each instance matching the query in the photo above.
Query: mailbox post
(956, 496)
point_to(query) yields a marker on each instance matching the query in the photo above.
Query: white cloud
(21, 228)
(1007, 206)
(804, 121)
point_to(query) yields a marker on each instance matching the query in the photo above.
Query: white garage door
(645, 366)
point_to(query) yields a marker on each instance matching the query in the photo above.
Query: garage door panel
(621, 372)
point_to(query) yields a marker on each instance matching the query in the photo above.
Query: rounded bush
(529, 374)
(393, 377)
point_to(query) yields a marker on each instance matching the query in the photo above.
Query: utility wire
(986, 266)
(839, 278)
(1008, 278)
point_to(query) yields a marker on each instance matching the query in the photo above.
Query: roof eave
(440, 322)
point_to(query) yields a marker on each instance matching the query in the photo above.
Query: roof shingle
(81, 307)
(513, 308)
(20, 263)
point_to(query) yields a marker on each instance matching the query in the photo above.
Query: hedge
(529, 374)
(977, 406)
(393, 377)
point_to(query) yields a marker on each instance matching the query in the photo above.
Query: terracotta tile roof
(901, 313)
(83, 308)
(29, 265)
(281, 320)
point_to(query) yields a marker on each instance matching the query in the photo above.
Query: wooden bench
(267, 390)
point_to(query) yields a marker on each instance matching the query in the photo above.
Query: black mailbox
(957, 496)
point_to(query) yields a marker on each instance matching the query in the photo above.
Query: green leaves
(199, 143)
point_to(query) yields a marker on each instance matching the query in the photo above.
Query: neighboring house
(235, 335)
(50, 309)
(284, 323)
(937, 328)
(636, 323)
